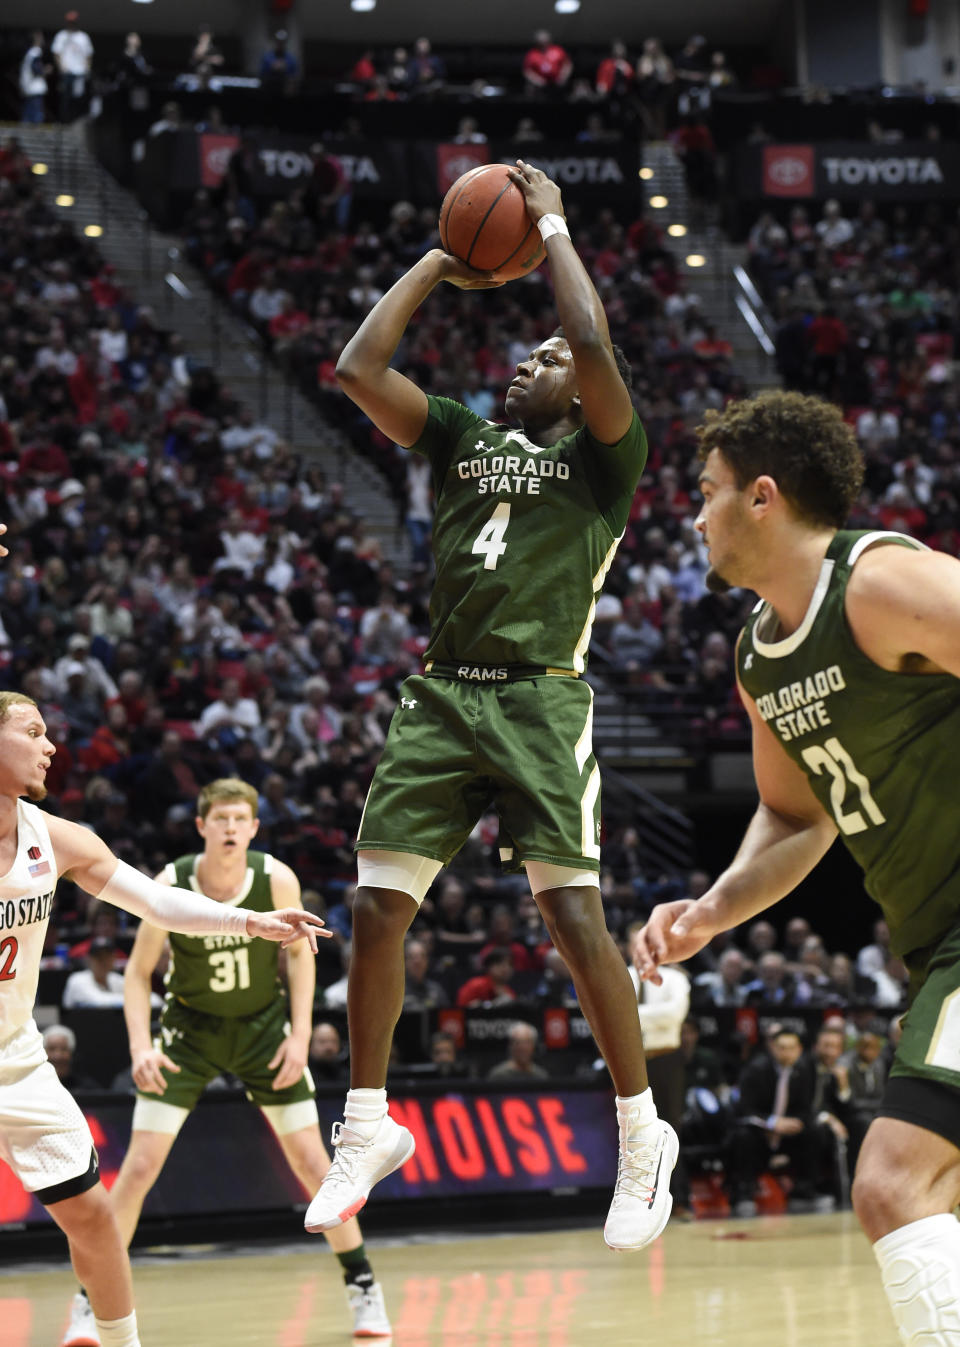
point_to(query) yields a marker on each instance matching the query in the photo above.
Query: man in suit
(775, 1118)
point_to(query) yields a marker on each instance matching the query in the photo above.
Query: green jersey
(523, 537)
(879, 748)
(228, 975)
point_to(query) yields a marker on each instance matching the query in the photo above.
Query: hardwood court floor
(802, 1281)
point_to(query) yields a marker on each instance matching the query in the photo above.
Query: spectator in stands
(871, 958)
(833, 229)
(421, 991)
(99, 985)
(774, 984)
(655, 78)
(169, 121)
(526, 132)
(519, 1062)
(691, 70)
(546, 66)
(867, 1074)
(279, 69)
(133, 70)
(425, 71)
(60, 1044)
(72, 51)
(725, 985)
(468, 132)
(230, 714)
(457, 938)
(634, 640)
(363, 71)
(327, 197)
(503, 939)
(335, 996)
(702, 1068)
(775, 1116)
(444, 1057)
(555, 987)
(761, 937)
(383, 630)
(614, 80)
(327, 1059)
(33, 81)
(206, 59)
(492, 987)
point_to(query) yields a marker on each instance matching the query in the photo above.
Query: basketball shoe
(369, 1312)
(82, 1328)
(358, 1163)
(642, 1203)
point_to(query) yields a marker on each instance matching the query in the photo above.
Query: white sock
(635, 1113)
(119, 1332)
(920, 1270)
(364, 1110)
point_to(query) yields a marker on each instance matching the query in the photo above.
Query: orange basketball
(484, 222)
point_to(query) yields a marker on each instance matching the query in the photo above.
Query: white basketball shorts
(44, 1137)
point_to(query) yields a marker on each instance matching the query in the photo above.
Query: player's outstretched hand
(674, 933)
(541, 194)
(148, 1066)
(4, 551)
(286, 926)
(463, 276)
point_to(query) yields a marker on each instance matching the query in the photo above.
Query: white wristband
(552, 224)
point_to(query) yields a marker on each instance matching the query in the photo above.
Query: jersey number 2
(489, 542)
(8, 952)
(844, 772)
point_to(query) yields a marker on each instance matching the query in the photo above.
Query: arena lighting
(64, 199)
(363, 6)
(659, 202)
(39, 169)
(95, 231)
(676, 231)
(696, 260)
(646, 174)
(567, 6)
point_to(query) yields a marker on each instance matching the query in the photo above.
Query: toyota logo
(788, 171)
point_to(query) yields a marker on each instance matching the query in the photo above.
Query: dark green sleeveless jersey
(523, 537)
(880, 749)
(227, 975)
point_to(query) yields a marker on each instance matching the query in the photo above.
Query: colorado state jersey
(228, 975)
(523, 536)
(26, 900)
(880, 749)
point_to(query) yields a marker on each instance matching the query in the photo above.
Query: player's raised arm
(393, 402)
(604, 397)
(89, 862)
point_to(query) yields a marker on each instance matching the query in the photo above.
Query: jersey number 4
(489, 542)
(833, 758)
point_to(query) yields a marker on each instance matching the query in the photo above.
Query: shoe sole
(373, 1333)
(400, 1157)
(673, 1149)
(80, 1342)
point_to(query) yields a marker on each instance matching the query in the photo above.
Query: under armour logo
(411, 703)
(480, 447)
(748, 661)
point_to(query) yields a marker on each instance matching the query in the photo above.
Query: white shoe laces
(346, 1160)
(637, 1172)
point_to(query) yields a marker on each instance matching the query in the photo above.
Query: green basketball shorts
(930, 1046)
(520, 741)
(204, 1045)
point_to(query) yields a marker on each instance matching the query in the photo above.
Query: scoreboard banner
(472, 1140)
(388, 170)
(855, 170)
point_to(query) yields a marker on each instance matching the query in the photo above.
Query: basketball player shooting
(528, 518)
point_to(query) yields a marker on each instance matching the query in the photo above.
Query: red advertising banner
(215, 152)
(454, 160)
(788, 170)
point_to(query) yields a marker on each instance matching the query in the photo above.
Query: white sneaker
(642, 1202)
(82, 1328)
(369, 1312)
(358, 1163)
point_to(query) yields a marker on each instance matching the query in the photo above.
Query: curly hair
(802, 442)
(624, 368)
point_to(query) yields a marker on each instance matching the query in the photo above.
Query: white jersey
(26, 900)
